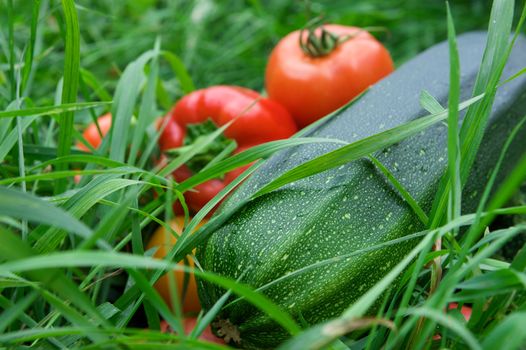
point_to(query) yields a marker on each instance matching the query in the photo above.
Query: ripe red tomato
(164, 240)
(91, 134)
(254, 119)
(311, 86)
(189, 325)
(464, 310)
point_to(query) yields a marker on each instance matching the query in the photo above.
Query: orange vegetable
(464, 310)
(165, 241)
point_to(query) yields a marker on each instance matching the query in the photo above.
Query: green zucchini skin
(354, 206)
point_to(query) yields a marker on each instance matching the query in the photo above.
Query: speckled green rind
(353, 206)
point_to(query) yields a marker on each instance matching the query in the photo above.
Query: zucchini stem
(227, 330)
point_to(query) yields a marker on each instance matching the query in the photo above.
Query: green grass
(73, 272)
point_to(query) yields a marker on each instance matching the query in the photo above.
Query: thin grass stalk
(70, 86)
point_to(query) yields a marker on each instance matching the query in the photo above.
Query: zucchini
(354, 206)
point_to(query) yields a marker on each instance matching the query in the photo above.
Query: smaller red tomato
(189, 325)
(91, 134)
(465, 310)
(331, 66)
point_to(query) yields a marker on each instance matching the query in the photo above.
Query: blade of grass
(65, 259)
(495, 56)
(152, 316)
(449, 322)
(476, 229)
(137, 245)
(506, 190)
(71, 82)
(210, 314)
(199, 146)
(14, 249)
(52, 110)
(12, 313)
(5, 124)
(187, 241)
(228, 150)
(110, 221)
(147, 107)
(151, 146)
(12, 137)
(514, 76)
(78, 205)
(429, 103)
(125, 97)
(248, 156)
(519, 262)
(51, 176)
(125, 338)
(98, 88)
(153, 297)
(358, 149)
(11, 45)
(28, 321)
(79, 158)
(447, 286)
(321, 335)
(28, 62)
(402, 190)
(504, 278)
(21, 157)
(180, 71)
(70, 313)
(454, 158)
(464, 220)
(28, 207)
(511, 329)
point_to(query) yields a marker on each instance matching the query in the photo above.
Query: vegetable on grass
(353, 205)
(313, 72)
(254, 119)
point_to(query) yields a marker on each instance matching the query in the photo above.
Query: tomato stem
(227, 330)
(321, 44)
(324, 42)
